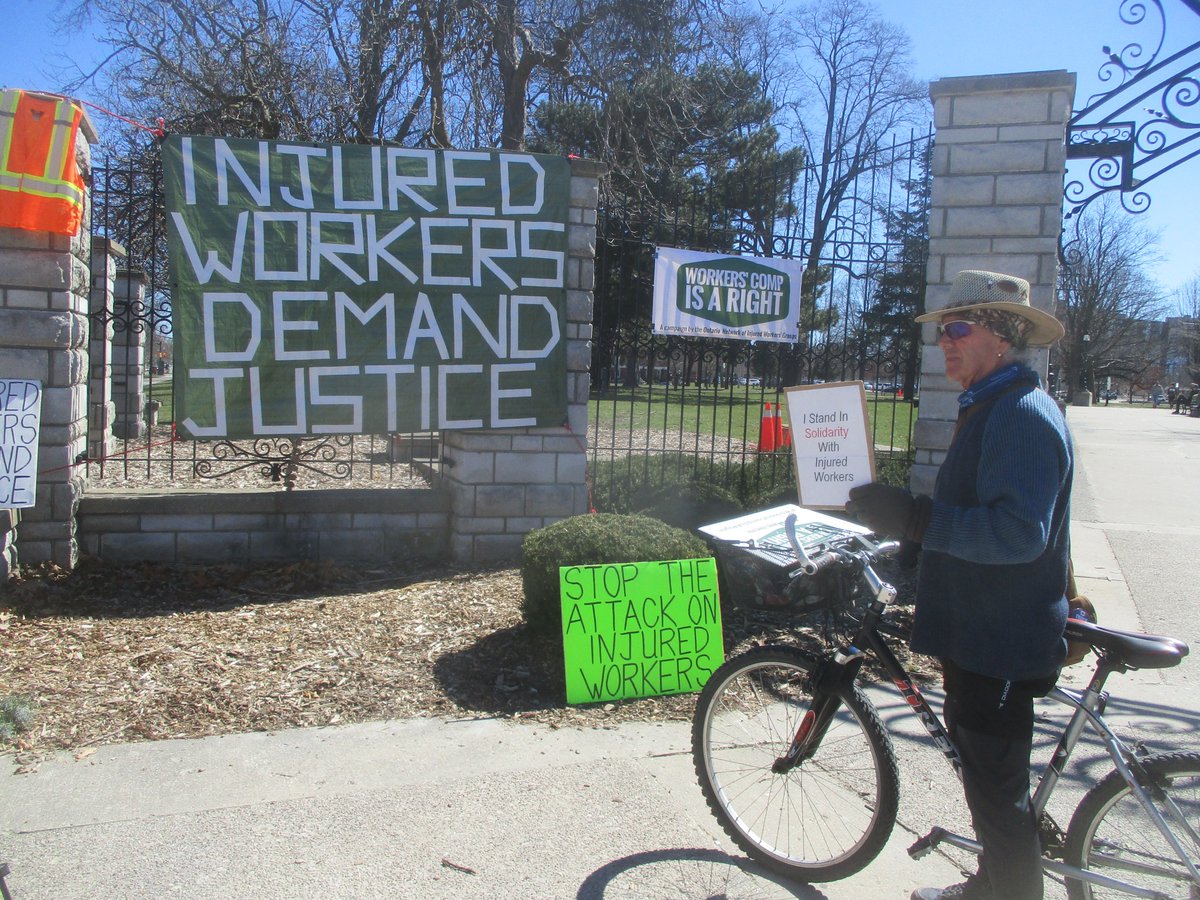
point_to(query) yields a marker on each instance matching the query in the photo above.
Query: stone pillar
(44, 287)
(504, 484)
(129, 355)
(8, 542)
(999, 161)
(106, 255)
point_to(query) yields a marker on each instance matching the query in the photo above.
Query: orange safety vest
(40, 185)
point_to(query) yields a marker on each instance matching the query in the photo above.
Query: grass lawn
(160, 390)
(731, 411)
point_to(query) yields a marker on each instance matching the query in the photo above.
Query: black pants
(991, 723)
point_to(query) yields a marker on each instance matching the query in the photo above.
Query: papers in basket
(762, 533)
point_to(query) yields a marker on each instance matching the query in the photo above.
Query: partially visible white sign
(20, 427)
(831, 447)
(764, 533)
(700, 294)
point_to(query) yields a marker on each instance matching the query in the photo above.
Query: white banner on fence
(20, 426)
(716, 295)
(830, 441)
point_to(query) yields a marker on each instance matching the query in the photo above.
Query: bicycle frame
(1088, 706)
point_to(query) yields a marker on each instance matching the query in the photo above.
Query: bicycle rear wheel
(823, 820)
(1112, 834)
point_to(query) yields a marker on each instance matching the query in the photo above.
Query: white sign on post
(831, 447)
(20, 426)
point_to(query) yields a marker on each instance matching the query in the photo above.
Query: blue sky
(971, 37)
(950, 38)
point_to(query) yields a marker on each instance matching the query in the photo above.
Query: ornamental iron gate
(132, 441)
(698, 405)
(1149, 79)
(1145, 126)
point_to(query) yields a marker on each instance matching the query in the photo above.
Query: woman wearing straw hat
(993, 571)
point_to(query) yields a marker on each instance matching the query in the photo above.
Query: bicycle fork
(831, 675)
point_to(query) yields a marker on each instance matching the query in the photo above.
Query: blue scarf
(995, 383)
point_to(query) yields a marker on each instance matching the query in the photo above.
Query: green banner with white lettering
(353, 289)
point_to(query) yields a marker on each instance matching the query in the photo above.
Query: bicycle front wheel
(823, 820)
(1112, 834)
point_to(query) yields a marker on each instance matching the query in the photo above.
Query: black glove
(890, 510)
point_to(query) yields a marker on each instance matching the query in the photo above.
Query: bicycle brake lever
(789, 528)
(877, 548)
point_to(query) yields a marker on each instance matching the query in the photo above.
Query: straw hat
(976, 289)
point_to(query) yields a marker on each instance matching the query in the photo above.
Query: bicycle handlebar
(828, 556)
(860, 556)
(821, 561)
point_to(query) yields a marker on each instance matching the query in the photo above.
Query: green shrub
(892, 469)
(16, 715)
(692, 504)
(622, 485)
(686, 491)
(592, 540)
(639, 483)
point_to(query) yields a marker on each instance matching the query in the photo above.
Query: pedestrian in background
(1183, 399)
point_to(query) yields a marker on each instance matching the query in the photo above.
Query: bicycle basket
(758, 578)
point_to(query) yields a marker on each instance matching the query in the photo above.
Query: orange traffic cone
(779, 429)
(766, 431)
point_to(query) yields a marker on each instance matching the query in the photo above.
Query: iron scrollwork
(278, 459)
(1127, 154)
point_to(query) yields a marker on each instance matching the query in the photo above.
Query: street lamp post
(1085, 396)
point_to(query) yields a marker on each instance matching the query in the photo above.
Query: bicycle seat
(1129, 648)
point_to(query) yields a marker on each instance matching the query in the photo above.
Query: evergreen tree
(888, 326)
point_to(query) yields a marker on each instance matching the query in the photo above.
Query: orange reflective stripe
(40, 185)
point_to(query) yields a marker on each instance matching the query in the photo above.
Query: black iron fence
(654, 399)
(132, 438)
(704, 404)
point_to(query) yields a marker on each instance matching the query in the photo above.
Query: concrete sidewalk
(479, 808)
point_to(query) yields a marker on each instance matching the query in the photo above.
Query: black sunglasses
(956, 330)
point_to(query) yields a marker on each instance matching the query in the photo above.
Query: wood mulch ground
(107, 654)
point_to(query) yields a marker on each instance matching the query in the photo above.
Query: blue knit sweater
(990, 589)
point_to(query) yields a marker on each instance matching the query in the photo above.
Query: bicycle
(797, 766)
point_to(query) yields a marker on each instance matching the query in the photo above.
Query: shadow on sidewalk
(688, 872)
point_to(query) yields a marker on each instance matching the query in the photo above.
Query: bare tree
(1187, 299)
(858, 93)
(437, 73)
(236, 67)
(1185, 330)
(1106, 295)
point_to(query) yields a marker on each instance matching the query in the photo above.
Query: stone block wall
(45, 283)
(504, 484)
(999, 161)
(106, 255)
(342, 526)
(497, 486)
(129, 355)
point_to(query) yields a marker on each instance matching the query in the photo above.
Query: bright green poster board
(640, 629)
(353, 289)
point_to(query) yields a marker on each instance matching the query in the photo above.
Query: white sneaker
(966, 890)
